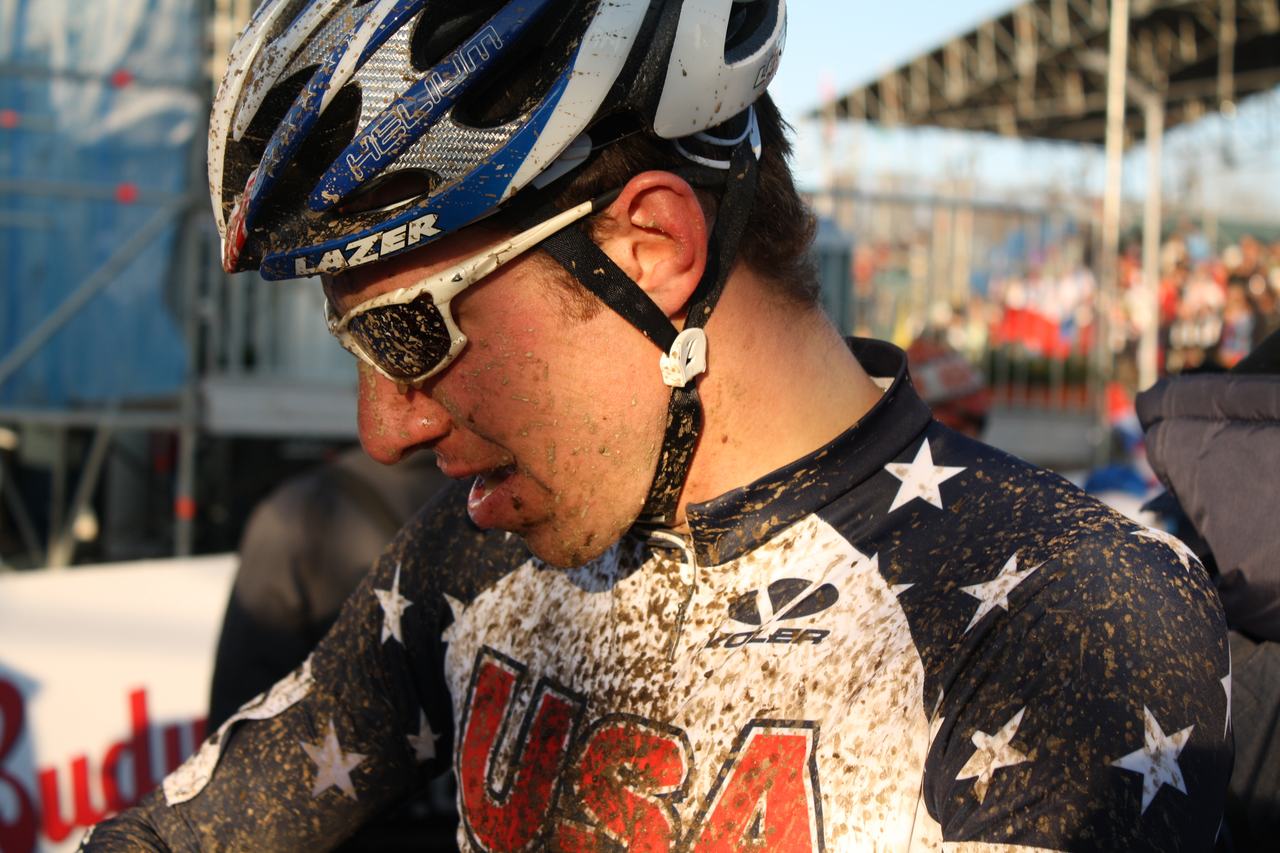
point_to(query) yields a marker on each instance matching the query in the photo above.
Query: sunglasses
(409, 334)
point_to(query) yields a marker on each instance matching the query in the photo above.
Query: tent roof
(1039, 70)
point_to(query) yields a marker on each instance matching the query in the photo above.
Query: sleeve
(362, 723)
(1089, 707)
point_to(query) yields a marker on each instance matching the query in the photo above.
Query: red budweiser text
(83, 792)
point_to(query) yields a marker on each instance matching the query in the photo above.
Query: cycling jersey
(901, 640)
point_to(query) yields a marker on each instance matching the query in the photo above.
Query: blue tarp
(95, 98)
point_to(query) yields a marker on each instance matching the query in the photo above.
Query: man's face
(556, 419)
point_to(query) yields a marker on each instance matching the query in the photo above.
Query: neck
(780, 384)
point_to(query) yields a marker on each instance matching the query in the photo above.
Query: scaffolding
(239, 376)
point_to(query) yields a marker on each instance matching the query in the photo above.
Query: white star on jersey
(333, 766)
(994, 751)
(920, 478)
(424, 742)
(1185, 554)
(995, 592)
(1157, 760)
(457, 608)
(393, 607)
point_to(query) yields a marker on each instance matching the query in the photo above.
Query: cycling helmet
(458, 104)
(349, 131)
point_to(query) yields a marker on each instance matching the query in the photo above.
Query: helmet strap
(587, 262)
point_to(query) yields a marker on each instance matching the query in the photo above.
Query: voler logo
(785, 600)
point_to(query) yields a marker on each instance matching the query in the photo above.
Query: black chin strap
(578, 254)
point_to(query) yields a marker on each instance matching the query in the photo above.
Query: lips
(459, 470)
(493, 501)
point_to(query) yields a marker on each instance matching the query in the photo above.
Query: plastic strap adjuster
(687, 358)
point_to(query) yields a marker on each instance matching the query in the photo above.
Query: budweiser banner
(104, 682)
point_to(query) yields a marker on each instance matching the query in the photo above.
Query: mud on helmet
(349, 131)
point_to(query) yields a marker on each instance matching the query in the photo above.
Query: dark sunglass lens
(405, 339)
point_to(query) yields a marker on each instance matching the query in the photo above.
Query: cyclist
(718, 581)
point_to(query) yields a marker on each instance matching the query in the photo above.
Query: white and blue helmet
(458, 104)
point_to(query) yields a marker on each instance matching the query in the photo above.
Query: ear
(658, 236)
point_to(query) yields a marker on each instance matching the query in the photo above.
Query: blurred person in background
(1214, 441)
(728, 585)
(1195, 333)
(951, 386)
(1249, 261)
(1237, 336)
(305, 548)
(1267, 301)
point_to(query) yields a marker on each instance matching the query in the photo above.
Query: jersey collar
(738, 521)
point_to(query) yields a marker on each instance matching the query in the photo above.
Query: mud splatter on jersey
(904, 641)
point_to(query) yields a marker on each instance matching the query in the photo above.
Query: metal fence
(1008, 285)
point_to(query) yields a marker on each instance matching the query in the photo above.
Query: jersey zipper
(688, 571)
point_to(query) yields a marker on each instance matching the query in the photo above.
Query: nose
(393, 422)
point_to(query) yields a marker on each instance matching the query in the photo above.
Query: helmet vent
(751, 24)
(287, 17)
(243, 155)
(325, 143)
(445, 25)
(390, 190)
(526, 72)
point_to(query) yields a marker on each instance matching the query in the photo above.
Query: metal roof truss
(1040, 69)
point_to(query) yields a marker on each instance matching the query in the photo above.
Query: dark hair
(780, 229)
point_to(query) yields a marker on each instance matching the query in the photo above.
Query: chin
(559, 556)
(569, 550)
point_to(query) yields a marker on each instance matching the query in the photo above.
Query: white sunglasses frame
(443, 285)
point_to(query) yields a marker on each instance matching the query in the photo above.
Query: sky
(835, 45)
(849, 42)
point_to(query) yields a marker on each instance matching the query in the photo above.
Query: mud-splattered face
(557, 419)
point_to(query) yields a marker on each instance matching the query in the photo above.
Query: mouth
(487, 481)
(493, 501)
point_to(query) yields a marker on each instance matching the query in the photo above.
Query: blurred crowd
(1213, 307)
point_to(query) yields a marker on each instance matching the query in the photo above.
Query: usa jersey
(906, 640)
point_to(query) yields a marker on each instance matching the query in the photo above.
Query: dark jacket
(305, 548)
(1214, 440)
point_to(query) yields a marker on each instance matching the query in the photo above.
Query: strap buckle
(687, 358)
